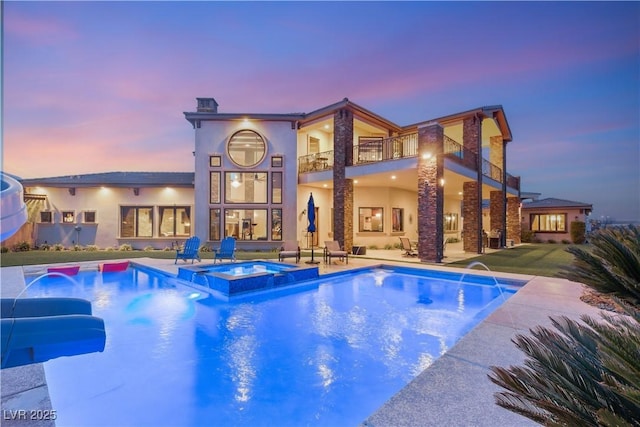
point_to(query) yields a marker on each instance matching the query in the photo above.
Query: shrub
(527, 236)
(77, 248)
(21, 247)
(452, 240)
(4, 249)
(551, 241)
(58, 247)
(585, 373)
(91, 248)
(374, 247)
(167, 248)
(45, 247)
(388, 246)
(205, 248)
(566, 241)
(110, 249)
(149, 248)
(578, 230)
(125, 247)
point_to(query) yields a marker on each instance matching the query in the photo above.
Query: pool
(323, 352)
(236, 278)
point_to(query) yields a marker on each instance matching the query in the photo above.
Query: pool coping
(454, 390)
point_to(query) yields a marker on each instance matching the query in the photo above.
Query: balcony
(405, 146)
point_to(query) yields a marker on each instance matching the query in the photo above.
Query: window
(314, 145)
(246, 224)
(215, 161)
(397, 219)
(246, 148)
(451, 221)
(214, 187)
(46, 217)
(549, 222)
(245, 187)
(371, 219)
(214, 224)
(136, 221)
(276, 161)
(68, 217)
(276, 187)
(175, 221)
(276, 224)
(89, 217)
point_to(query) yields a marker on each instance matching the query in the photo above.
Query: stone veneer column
(342, 187)
(496, 150)
(472, 141)
(472, 224)
(496, 210)
(430, 193)
(514, 223)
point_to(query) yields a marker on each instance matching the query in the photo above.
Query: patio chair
(289, 249)
(332, 250)
(227, 250)
(189, 250)
(406, 247)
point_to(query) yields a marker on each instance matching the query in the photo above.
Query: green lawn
(538, 259)
(542, 259)
(51, 257)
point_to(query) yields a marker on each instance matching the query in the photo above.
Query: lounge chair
(406, 247)
(332, 250)
(227, 250)
(289, 249)
(190, 250)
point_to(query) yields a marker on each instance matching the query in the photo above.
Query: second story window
(246, 148)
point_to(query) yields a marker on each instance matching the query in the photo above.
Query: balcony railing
(396, 147)
(404, 146)
(316, 162)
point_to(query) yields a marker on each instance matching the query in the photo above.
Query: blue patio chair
(227, 250)
(190, 250)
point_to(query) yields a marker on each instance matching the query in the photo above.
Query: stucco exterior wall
(572, 214)
(212, 138)
(106, 202)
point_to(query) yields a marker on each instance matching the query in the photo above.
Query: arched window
(246, 148)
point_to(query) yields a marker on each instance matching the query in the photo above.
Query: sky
(102, 86)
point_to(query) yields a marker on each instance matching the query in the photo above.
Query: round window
(246, 148)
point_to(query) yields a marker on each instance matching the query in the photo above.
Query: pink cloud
(44, 30)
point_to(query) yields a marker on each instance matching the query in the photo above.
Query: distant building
(550, 219)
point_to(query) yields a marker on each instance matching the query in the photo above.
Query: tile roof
(555, 203)
(116, 179)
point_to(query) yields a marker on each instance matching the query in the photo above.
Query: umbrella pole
(312, 260)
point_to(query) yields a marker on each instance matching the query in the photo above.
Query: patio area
(454, 390)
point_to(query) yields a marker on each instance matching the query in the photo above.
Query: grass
(538, 259)
(37, 257)
(541, 259)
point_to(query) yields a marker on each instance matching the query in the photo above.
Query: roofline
(64, 181)
(493, 111)
(376, 119)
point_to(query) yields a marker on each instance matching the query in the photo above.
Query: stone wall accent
(430, 193)
(342, 187)
(514, 225)
(496, 150)
(471, 134)
(472, 223)
(496, 210)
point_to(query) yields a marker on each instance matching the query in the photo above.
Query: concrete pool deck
(454, 390)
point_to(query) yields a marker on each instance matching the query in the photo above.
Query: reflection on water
(327, 355)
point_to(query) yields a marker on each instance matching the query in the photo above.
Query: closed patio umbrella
(311, 216)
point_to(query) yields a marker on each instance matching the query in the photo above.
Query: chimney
(207, 105)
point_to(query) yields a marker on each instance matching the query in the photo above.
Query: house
(550, 218)
(372, 180)
(142, 209)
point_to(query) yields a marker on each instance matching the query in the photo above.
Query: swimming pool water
(326, 353)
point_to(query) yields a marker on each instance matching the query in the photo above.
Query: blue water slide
(39, 329)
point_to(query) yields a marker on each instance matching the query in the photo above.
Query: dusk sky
(102, 87)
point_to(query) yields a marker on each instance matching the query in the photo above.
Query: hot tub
(240, 277)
